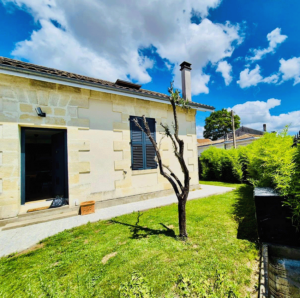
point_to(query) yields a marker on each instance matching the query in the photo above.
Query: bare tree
(181, 189)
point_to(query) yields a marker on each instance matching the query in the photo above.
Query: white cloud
(225, 69)
(290, 69)
(199, 83)
(252, 78)
(109, 45)
(273, 79)
(41, 9)
(275, 38)
(200, 130)
(67, 53)
(255, 113)
(168, 65)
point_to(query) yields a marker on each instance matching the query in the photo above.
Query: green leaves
(293, 200)
(219, 123)
(221, 165)
(270, 161)
(176, 98)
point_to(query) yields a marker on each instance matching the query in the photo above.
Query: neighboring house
(71, 135)
(244, 136)
(243, 130)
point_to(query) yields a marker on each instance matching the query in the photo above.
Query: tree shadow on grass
(139, 232)
(244, 214)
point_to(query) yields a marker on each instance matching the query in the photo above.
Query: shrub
(293, 200)
(221, 165)
(270, 161)
(243, 158)
(267, 162)
(234, 170)
(211, 162)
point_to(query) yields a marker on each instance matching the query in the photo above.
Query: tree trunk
(181, 191)
(182, 217)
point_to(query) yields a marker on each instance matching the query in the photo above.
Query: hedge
(270, 161)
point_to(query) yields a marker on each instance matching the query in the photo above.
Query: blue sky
(245, 55)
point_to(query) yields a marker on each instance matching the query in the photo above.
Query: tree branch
(180, 154)
(174, 176)
(178, 145)
(168, 133)
(162, 172)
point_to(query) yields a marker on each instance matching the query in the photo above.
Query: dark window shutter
(150, 151)
(151, 124)
(136, 133)
(150, 157)
(137, 157)
(142, 151)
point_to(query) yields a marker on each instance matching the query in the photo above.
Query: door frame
(23, 170)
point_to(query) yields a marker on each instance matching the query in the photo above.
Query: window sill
(144, 172)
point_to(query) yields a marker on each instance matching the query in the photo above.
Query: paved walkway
(22, 238)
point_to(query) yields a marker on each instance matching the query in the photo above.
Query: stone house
(71, 135)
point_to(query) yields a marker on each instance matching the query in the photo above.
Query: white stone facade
(98, 136)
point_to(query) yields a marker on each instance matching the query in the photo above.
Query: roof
(204, 141)
(20, 66)
(246, 130)
(208, 142)
(247, 136)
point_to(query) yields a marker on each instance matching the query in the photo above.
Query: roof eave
(31, 74)
(240, 140)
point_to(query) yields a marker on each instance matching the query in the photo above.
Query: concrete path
(19, 239)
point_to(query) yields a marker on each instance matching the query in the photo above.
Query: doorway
(44, 164)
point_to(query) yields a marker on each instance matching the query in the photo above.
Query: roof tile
(15, 64)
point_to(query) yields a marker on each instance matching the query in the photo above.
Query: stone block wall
(99, 153)
(135, 182)
(18, 99)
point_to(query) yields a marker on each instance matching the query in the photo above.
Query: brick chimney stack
(185, 68)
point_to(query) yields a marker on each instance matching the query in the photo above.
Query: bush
(270, 161)
(221, 165)
(211, 162)
(293, 200)
(267, 162)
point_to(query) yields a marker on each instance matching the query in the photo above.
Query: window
(142, 150)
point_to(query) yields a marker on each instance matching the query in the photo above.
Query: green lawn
(220, 255)
(218, 183)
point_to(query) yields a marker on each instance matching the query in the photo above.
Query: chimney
(185, 69)
(264, 127)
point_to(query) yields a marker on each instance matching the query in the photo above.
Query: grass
(141, 252)
(218, 183)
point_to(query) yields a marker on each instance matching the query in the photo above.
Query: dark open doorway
(43, 164)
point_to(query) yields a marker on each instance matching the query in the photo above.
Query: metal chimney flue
(264, 127)
(185, 68)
